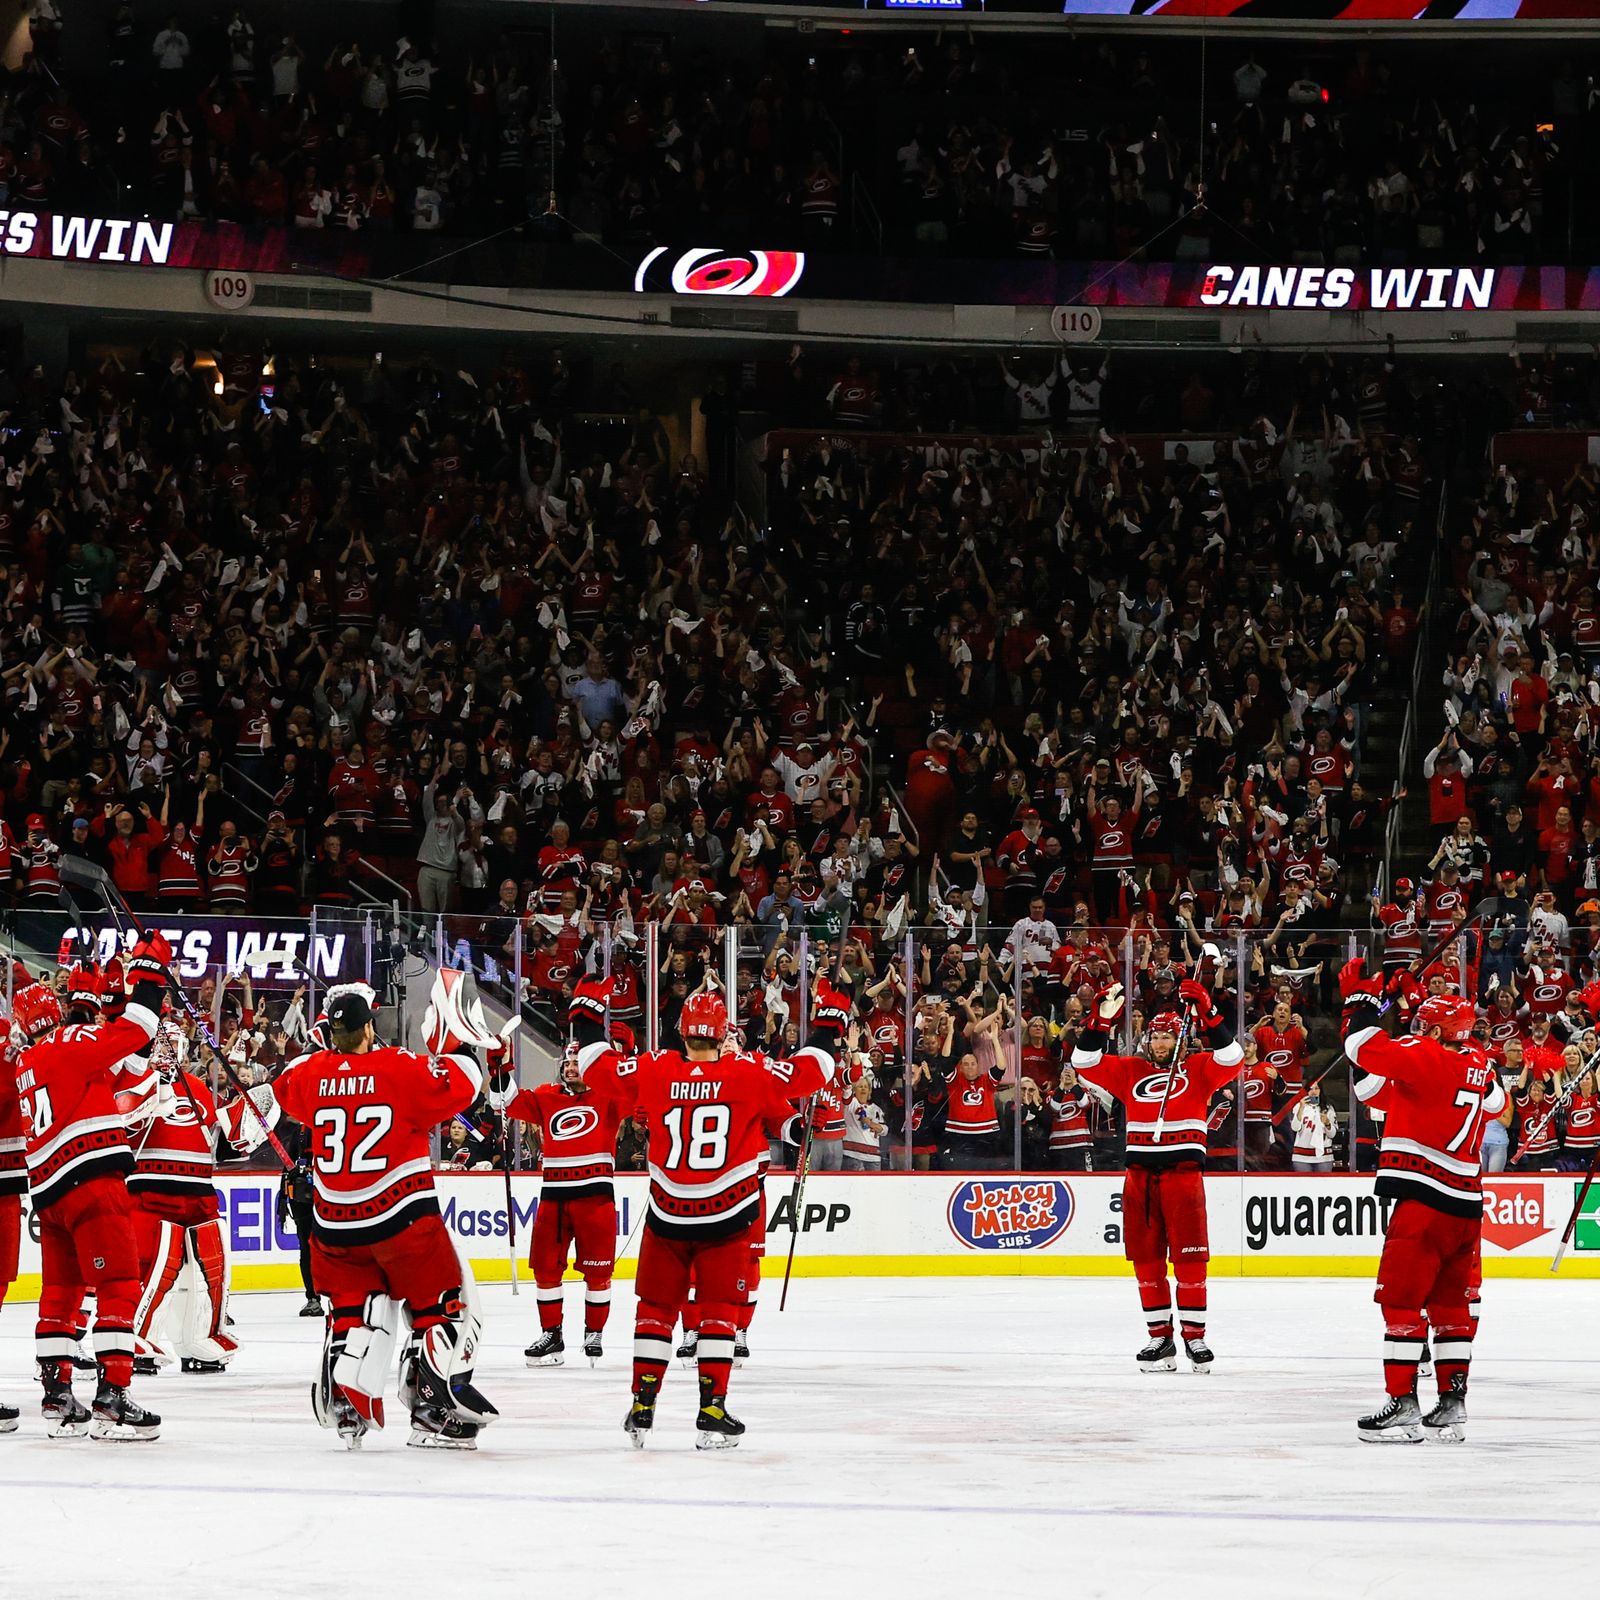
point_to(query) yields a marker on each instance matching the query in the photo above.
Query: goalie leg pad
(156, 1318)
(447, 1351)
(361, 1369)
(205, 1335)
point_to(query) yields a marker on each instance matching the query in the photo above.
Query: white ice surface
(913, 1439)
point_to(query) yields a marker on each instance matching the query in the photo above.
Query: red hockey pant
(1430, 1274)
(588, 1227)
(720, 1271)
(418, 1265)
(747, 1309)
(10, 1241)
(1164, 1216)
(86, 1242)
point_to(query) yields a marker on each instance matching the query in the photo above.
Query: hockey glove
(1109, 1005)
(1200, 998)
(830, 1017)
(147, 961)
(586, 1011)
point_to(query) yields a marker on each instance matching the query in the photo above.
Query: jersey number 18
(707, 1144)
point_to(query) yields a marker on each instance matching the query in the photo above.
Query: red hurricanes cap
(36, 822)
(1028, 814)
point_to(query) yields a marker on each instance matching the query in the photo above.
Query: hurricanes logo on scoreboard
(1010, 1214)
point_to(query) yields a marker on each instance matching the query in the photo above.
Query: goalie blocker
(380, 1249)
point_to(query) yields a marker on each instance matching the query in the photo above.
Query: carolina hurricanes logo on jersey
(972, 1097)
(1255, 1089)
(1155, 1085)
(1280, 1059)
(574, 1122)
(1547, 992)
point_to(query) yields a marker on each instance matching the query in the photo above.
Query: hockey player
(183, 1257)
(77, 1079)
(1437, 1088)
(380, 1250)
(707, 1150)
(577, 1200)
(1163, 1191)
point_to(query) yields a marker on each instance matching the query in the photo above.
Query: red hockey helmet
(704, 1016)
(36, 1010)
(1450, 1014)
(1166, 1022)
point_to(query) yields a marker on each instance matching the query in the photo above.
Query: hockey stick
(1420, 963)
(1208, 952)
(1569, 1232)
(87, 875)
(797, 1194)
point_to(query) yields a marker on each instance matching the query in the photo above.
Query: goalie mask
(169, 1050)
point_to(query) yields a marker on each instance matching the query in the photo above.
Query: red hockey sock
(1192, 1305)
(652, 1345)
(1403, 1336)
(1155, 1297)
(715, 1352)
(1452, 1344)
(596, 1306)
(549, 1298)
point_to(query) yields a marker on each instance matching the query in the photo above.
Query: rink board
(948, 1225)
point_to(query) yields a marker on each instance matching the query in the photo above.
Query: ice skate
(1398, 1422)
(688, 1351)
(10, 1417)
(435, 1429)
(592, 1347)
(741, 1349)
(120, 1419)
(65, 1415)
(641, 1415)
(312, 1307)
(716, 1428)
(352, 1427)
(548, 1350)
(1425, 1360)
(1447, 1422)
(1160, 1355)
(1200, 1354)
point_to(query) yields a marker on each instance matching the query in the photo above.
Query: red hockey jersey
(68, 1085)
(370, 1118)
(707, 1141)
(1140, 1084)
(13, 1146)
(1069, 1120)
(578, 1137)
(1437, 1100)
(1583, 1125)
(177, 1153)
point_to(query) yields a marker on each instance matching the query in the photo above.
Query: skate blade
(594, 1361)
(67, 1430)
(636, 1436)
(121, 1433)
(1170, 1364)
(546, 1361)
(688, 1363)
(716, 1441)
(1451, 1433)
(10, 1424)
(1407, 1435)
(1201, 1369)
(421, 1439)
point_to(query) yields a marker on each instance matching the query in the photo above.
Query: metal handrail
(401, 893)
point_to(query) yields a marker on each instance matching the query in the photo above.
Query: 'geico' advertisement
(898, 1224)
